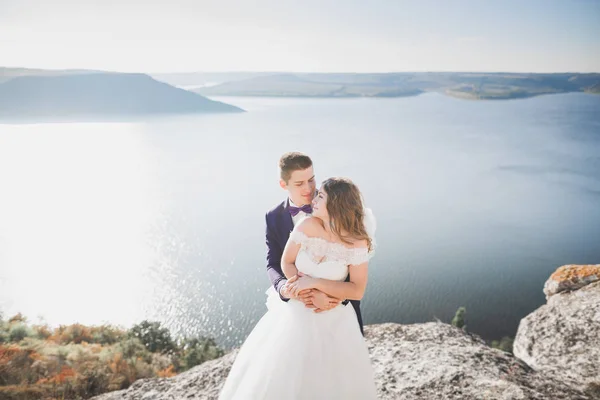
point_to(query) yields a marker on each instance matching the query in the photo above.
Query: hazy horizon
(298, 71)
(328, 36)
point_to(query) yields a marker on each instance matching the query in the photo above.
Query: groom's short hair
(293, 161)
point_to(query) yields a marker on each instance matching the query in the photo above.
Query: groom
(298, 179)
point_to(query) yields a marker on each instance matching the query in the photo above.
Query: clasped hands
(301, 287)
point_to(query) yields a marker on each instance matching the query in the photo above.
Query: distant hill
(61, 94)
(7, 73)
(198, 79)
(478, 86)
(302, 85)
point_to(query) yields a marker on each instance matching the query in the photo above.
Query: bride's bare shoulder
(311, 226)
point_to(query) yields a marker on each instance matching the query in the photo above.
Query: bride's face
(320, 205)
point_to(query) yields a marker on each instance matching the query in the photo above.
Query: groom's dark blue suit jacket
(279, 227)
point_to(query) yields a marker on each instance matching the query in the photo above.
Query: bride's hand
(285, 289)
(304, 282)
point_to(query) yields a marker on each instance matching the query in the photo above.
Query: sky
(302, 36)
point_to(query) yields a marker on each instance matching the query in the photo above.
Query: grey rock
(438, 361)
(562, 337)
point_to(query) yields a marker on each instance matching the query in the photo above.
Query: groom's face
(301, 186)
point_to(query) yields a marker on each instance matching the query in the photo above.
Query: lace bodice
(324, 259)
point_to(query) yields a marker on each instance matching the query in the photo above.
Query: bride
(294, 352)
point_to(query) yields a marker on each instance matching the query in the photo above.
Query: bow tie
(307, 208)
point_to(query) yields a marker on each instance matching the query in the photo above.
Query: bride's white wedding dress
(295, 353)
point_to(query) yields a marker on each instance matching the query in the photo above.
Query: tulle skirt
(296, 354)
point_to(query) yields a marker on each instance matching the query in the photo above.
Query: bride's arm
(288, 259)
(352, 290)
(292, 247)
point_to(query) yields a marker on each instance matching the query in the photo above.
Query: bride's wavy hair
(346, 211)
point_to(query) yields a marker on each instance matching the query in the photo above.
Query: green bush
(153, 336)
(18, 332)
(4, 328)
(195, 351)
(4, 332)
(132, 347)
(107, 334)
(459, 318)
(504, 344)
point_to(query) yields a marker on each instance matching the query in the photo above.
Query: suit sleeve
(274, 253)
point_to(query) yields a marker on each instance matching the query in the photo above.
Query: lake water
(477, 204)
